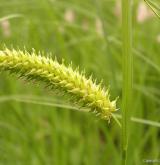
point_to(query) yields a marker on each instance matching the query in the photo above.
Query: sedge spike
(59, 77)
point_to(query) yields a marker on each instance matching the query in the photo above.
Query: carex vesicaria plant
(84, 91)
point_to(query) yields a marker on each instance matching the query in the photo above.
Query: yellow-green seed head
(36, 67)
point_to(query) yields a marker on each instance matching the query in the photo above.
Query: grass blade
(127, 74)
(154, 7)
(10, 17)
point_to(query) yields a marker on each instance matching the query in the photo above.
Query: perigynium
(84, 91)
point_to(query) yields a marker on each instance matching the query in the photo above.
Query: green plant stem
(127, 74)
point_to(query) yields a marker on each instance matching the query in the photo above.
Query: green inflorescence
(57, 76)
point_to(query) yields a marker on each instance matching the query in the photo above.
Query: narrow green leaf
(155, 6)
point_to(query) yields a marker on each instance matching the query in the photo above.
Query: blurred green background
(88, 33)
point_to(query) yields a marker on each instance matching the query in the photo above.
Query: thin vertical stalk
(127, 74)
